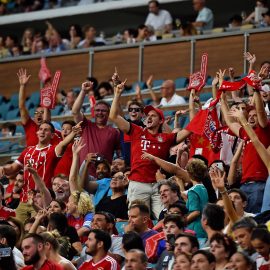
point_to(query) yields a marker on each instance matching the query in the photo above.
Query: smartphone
(220, 166)
(171, 239)
(5, 252)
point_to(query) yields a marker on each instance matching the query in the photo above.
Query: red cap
(149, 108)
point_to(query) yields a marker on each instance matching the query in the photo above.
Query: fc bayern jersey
(6, 212)
(144, 170)
(107, 263)
(43, 160)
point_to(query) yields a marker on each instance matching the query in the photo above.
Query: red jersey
(31, 129)
(64, 164)
(47, 265)
(5, 213)
(107, 263)
(9, 190)
(143, 170)
(43, 160)
(253, 168)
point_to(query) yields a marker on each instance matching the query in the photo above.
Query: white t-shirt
(206, 15)
(159, 21)
(175, 100)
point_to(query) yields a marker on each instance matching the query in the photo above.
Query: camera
(99, 158)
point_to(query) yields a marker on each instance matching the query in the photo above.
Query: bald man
(169, 97)
(205, 18)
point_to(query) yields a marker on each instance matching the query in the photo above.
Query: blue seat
(141, 84)
(120, 227)
(57, 110)
(157, 83)
(4, 108)
(32, 111)
(209, 80)
(1, 99)
(20, 130)
(35, 98)
(14, 100)
(205, 96)
(181, 82)
(29, 104)
(13, 114)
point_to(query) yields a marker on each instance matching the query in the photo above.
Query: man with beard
(106, 222)
(13, 198)
(34, 254)
(60, 187)
(99, 186)
(98, 137)
(98, 245)
(30, 125)
(118, 165)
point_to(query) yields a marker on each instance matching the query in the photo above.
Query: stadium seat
(209, 80)
(4, 108)
(12, 114)
(181, 82)
(157, 83)
(57, 110)
(20, 130)
(205, 96)
(14, 100)
(35, 98)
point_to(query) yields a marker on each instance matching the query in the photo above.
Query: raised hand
(23, 76)
(77, 129)
(218, 179)
(137, 89)
(160, 176)
(263, 73)
(91, 157)
(115, 78)
(181, 112)
(29, 167)
(149, 82)
(41, 214)
(148, 156)
(215, 80)
(118, 90)
(87, 86)
(231, 73)
(251, 58)
(77, 146)
(237, 113)
(220, 75)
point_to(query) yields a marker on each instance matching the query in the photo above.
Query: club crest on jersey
(160, 139)
(43, 154)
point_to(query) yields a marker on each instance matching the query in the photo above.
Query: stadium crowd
(139, 194)
(158, 24)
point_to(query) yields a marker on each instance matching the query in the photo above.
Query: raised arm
(118, 120)
(262, 151)
(61, 147)
(214, 86)
(233, 164)
(10, 169)
(23, 78)
(218, 181)
(192, 100)
(77, 106)
(74, 170)
(46, 195)
(168, 166)
(149, 84)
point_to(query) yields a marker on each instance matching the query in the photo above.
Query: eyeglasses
(100, 110)
(134, 109)
(39, 112)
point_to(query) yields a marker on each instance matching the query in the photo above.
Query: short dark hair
(59, 221)
(137, 103)
(265, 62)
(102, 236)
(193, 239)
(104, 103)
(155, 2)
(261, 234)
(241, 193)
(143, 208)
(228, 243)
(236, 18)
(182, 207)
(93, 80)
(132, 240)
(178, 220)
(171, 184)
(38, 239)
(246, 222)
(143, 257)
(10, 126)
(110, 218)
(201, 157)
(69, 122)
(8, 232)
(2, 190)
(50, 124)
(211, 211)
(208, 255)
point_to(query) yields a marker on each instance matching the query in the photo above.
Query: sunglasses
(134, 109)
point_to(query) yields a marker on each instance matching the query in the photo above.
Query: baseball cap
(149, 108)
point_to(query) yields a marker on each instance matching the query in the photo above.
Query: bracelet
(223, 192)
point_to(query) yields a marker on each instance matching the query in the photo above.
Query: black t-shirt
(72, 234)
(117, 207)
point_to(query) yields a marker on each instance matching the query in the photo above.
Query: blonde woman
(80, 213)
(53, 243)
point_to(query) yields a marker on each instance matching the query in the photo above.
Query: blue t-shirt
(102, 190)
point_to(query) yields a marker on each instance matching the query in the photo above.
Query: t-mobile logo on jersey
(145, 144)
